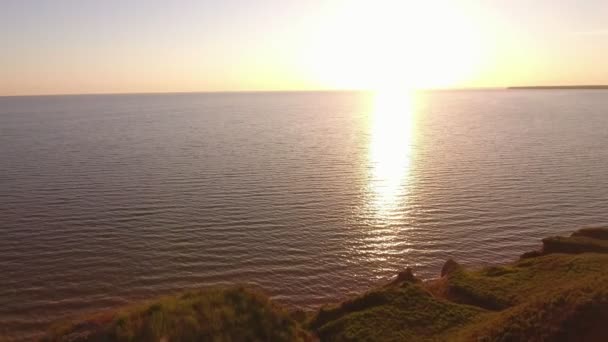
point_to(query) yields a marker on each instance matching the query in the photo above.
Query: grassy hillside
(559, 293)
(217, 314)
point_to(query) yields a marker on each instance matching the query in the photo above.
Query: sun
(388, 45)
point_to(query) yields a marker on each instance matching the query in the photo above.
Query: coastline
(551, 294)
(571, 87)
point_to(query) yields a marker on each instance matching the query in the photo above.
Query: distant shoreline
(561, 87)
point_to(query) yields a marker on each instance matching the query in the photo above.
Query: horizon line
(539, 87)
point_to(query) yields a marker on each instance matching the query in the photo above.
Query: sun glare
(389, 45)
(391, 139)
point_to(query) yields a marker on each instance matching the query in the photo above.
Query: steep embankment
(557, 294)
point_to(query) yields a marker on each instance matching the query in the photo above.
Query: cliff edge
(559, 293)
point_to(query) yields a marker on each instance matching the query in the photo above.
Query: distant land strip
(563, 87)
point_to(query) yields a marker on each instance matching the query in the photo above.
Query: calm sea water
(312, 196)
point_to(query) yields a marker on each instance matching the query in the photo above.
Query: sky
(123, 46)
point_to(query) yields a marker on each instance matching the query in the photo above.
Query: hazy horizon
(87, 47)
(531, 87)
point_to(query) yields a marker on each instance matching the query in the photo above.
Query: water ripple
(311, 196)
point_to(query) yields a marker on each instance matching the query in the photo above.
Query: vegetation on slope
(216, 314)
(546, 298)
(559, 293)
(399, 313)
(549, 297)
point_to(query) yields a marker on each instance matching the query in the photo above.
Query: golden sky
(56, 47)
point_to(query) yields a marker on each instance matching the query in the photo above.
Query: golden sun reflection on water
(390, 149)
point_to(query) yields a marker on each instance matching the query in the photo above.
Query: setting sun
(396, 45)
(288, 170)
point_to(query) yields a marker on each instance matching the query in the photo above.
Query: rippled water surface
(108, 199)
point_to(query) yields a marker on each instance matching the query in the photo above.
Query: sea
(311, 197)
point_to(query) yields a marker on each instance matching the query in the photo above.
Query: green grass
(400, 313)
(573, 314)
(544, 298)
(522, 280)
(547, 297)
(217, 314)
(552, 297)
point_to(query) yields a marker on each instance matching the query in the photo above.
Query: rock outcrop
(405, 276)
(449, 267)
(586, 240)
